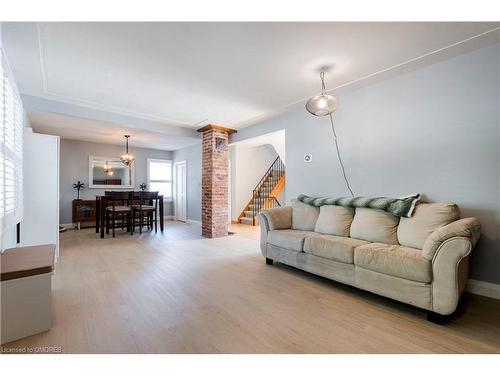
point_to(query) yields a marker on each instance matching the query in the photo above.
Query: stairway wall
(248, 165)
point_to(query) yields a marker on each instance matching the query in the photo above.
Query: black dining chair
(118, 210)
(146, 209)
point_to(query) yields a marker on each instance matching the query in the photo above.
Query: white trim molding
(483, 288)
(190, 221)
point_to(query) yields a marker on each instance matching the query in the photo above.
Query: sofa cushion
(340, 249)
(394, 260)
(289, 238)
(335, 220)
(304, 216)
(278, 217)
(427, 217)
(374, 225)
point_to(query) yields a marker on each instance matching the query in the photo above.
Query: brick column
(214, 180)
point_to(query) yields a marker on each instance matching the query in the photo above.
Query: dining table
(101, 202)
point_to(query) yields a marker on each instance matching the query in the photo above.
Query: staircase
(265, 193)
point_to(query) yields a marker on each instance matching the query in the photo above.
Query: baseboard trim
(191, 221)
(169, 217)
(483, 288)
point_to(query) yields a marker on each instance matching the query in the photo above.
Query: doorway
(180, 195)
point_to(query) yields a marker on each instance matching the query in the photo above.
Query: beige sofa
(422, 260)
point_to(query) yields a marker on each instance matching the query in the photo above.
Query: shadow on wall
(486, 258)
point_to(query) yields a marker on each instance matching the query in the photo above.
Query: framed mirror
(108, 172)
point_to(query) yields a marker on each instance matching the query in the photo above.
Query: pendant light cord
(338, 154)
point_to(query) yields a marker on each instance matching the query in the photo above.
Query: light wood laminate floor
(177, 292)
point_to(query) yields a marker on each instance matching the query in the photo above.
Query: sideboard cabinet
(83, 212)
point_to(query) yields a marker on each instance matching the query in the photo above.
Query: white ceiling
(264, 139)
(103, 132)
(190, 74)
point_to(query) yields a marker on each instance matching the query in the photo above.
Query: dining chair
(147, 208)
(119, 207)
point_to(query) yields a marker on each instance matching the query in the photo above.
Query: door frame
(177, 163)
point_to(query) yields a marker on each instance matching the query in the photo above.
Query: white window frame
(167, 199)
(12, 122)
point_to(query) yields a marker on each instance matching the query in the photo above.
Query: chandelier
(127, 158)
(107, 169)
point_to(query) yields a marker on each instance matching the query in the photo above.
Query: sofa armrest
(264, 229)
(468, 228)
(278, 218)
(448, 248)
(450, 271)
(272, 219)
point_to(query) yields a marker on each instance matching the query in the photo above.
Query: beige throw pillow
(427, 217)
(335, 220)
(375, 226)
(304, 216)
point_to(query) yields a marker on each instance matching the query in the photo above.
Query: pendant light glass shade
(322, 105)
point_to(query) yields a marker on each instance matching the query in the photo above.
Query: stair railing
(274, 202)
(262, 193)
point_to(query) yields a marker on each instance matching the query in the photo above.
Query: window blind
(12, 118)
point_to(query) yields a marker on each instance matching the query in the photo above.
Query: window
(11, 149)
(160, 177)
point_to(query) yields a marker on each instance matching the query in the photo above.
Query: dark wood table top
(27, 261)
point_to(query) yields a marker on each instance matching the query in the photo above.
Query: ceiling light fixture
(127, 158)
(107, 168)
(323, 105)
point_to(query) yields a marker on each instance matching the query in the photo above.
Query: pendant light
(324, 104)
(107, 169)
(127, 158)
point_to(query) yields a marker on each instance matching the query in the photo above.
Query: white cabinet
(40, 223)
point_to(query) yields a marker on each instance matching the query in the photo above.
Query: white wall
(40, 224)
(8, 239)
(435, 130)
